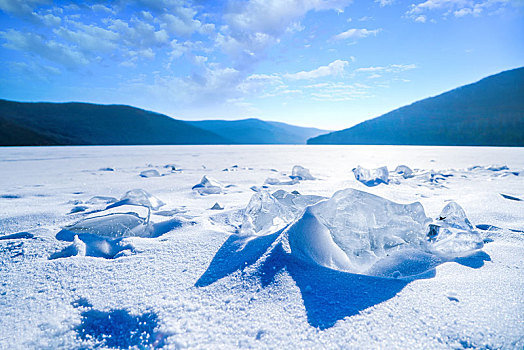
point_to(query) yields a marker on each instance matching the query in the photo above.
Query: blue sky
(323, 63)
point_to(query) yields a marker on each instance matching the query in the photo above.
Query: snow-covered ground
(186, 281)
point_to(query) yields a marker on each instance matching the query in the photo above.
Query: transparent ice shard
(453, 235)
(404, 171)
(208, 185)
(118, 222)
(301, 173)
(150, 173)
(365, 227)
(139, 197)
(276, 182)
(371, 177)
(264, 215)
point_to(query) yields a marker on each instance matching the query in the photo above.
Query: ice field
(261, 247)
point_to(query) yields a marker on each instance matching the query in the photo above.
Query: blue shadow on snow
(328, 295)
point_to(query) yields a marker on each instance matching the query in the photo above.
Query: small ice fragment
(106, 169)
(101, 200)
(150, 173)
(139, 197)
(232, 168)
(497, 167)
(255, 188)
(301, 173)
(78, 209)
(454, 235)
(276, 182)
(172, 167)
(405, 171)
(208, 185)
(371, 177)
(123, 221)
(217, 206)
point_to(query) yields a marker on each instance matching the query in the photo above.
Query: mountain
(36, 124)
(256, 131)
(489, 112)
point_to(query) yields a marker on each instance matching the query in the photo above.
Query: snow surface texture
(144, 262)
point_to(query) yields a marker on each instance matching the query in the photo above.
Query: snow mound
(362, 233)
(150, 173)
(139, 197)
(208, 185)
(301, 173)
(371, 177)
(267, 213)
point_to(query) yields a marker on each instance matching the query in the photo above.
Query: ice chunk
(497, 167)
(365, 227)
(217, 206)
(139, 197)
(301, 173)
(454, 235)
(264, 215)
(405, 171)
(267, 213)
(295, 201)
(122, 221)
(101, 200)
(150, 173)
(208, 185)
(276, 182)
(311, 241)
(371, 177)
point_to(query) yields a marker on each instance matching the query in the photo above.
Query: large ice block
(365, 227)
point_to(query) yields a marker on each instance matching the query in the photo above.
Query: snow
(200, 279)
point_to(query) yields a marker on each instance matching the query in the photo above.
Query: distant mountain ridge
(489, 112)
(256, 131)
(74, 123)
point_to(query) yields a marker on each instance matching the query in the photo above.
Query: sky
(322, 63)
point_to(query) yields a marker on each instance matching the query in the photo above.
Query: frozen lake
(185, 285)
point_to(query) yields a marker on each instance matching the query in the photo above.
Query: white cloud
(333, 69)
(459, 8)
(355, 33)
(392, 68)
(384, 2)
(49, 49)
(252, 26)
